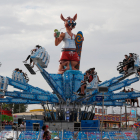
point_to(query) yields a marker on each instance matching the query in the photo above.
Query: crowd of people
(29, 56)
(88, 77)
(24, 74)
(128, 62)
(131, 101)
(5, 122)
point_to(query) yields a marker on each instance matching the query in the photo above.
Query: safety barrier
(63, 134)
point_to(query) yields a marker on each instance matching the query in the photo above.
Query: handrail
(124, 64)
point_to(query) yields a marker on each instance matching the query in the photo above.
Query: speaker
(20, 121)
(90, 116)
(71, 116)
(77, 126)
(84, 115)
(36, 126)
(52, 116)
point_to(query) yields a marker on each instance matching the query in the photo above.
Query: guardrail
(84, 133)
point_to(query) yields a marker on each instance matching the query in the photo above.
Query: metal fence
(18, 133)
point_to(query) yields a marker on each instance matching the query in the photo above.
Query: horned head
(69, 22)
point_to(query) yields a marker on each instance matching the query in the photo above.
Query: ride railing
(76, 133)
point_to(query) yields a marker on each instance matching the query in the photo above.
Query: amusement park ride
(64, 86)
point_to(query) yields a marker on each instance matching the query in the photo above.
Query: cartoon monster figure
(68, 54)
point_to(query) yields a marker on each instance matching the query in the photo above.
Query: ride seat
(41, 57)
(93, 84)
(3, 83)
(15, 75)
(137, 60)
(21, 78)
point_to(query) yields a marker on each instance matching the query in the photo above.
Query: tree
(7, 106)
(16, 108)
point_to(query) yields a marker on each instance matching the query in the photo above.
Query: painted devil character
(68, 54)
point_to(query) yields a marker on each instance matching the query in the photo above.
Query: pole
(126, 115)
(121, 117)
(1, 115)
(102, 117)
(136, 112)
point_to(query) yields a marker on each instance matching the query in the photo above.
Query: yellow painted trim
(40, 110)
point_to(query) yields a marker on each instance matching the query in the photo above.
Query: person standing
(46, 135)
(45, 128)
(22, 126)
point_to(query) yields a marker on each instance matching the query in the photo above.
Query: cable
(62, 28)
(37, 70)
(133, 89)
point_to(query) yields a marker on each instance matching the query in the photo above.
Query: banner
(133, 113)
(95, 110)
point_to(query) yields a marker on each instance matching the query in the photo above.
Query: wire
(37, 70)
(133, 89)
(62, 28)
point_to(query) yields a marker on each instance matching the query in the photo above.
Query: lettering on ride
(1, 100)
(27, 96)
(43, 97)
(133, 80)
(106, 84)
(118, 103)
(11, 94)
(36, 91)
(135, 95)
(54, 100)
(116, 87)
(119, 96)
(109, 103)
(34, 102)
(18, 100)
(18, 85)
(115, 80)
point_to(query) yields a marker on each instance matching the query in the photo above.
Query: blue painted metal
(117, 96)
(53, 84)
(90, 125)
(111, 81)
(118, 86)
(25, 86)
(63, 86)
(110, 103)
(107, 83)
(18, 101)
(32, 96)
(124, 83)
(67, 82)
(29, 124)
(122, 96)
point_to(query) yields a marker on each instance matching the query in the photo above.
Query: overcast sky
(111, 29)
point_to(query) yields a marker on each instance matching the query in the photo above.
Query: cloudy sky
(111, 29)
